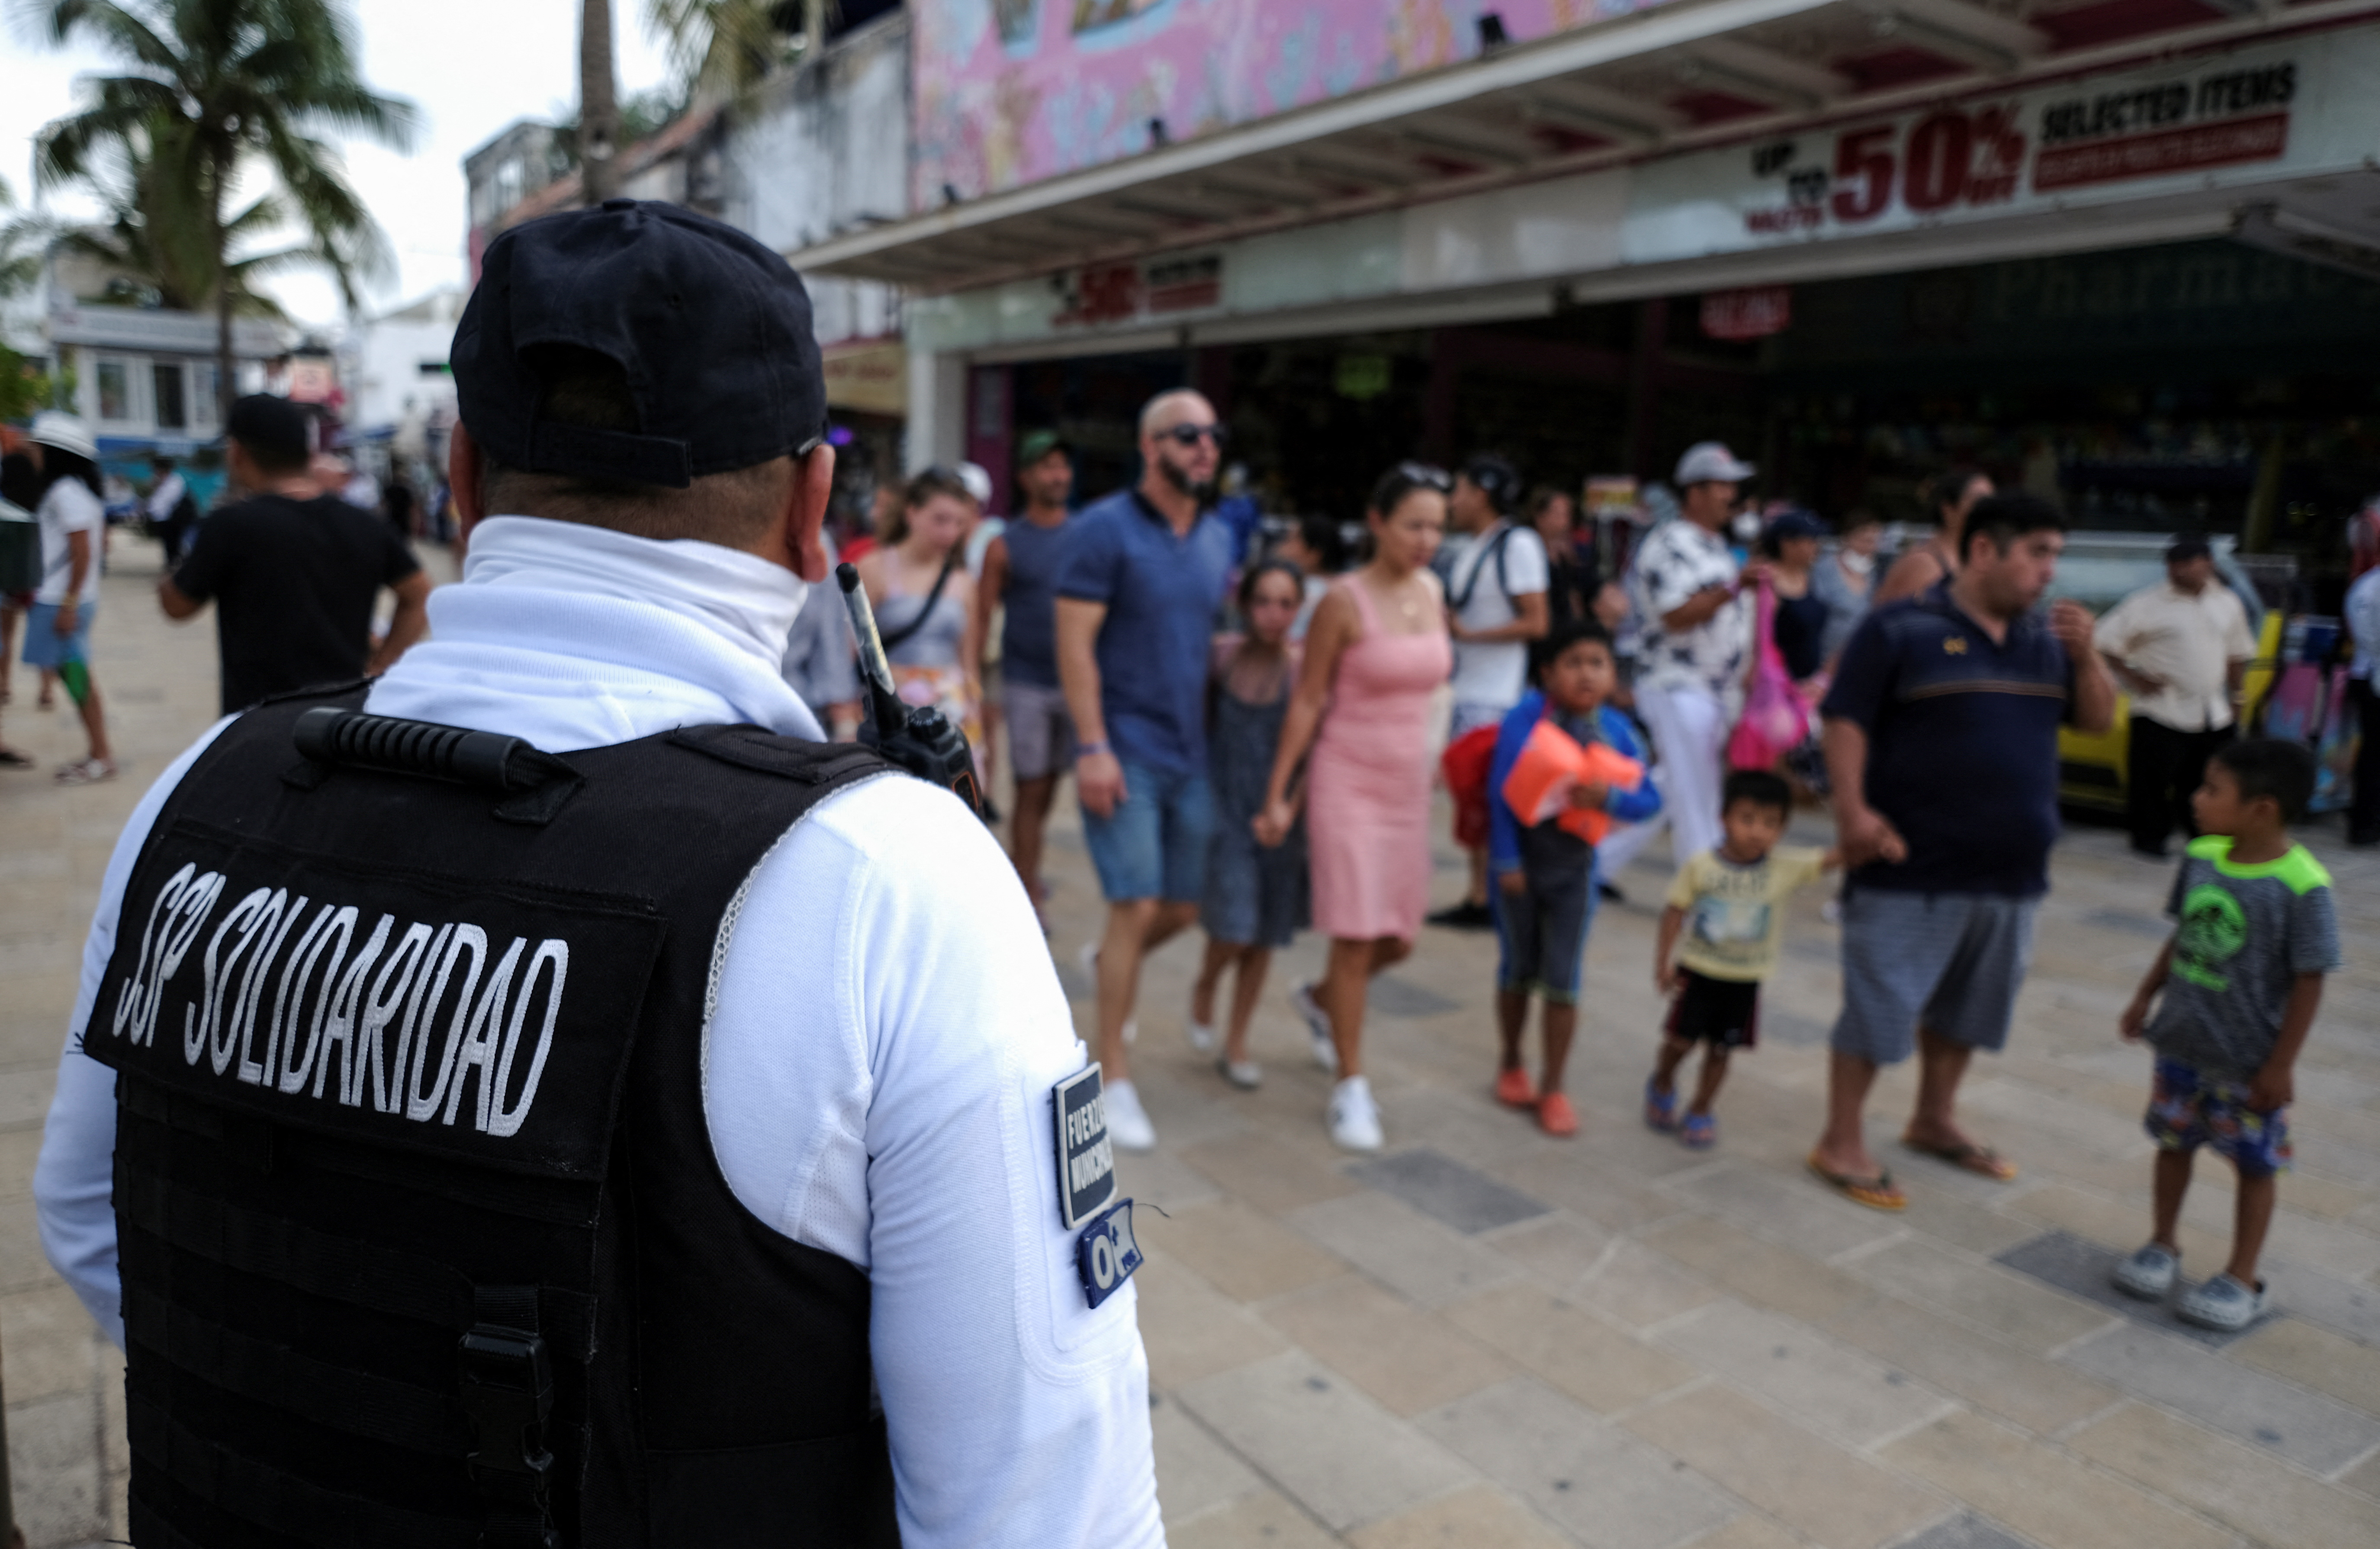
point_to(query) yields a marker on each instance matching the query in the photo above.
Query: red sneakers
(1515, 1090)
(1555, 1115)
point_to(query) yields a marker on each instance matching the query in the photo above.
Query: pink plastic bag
(1776, 718)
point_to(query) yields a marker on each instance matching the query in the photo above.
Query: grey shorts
(1040, 733)
(1951, 961)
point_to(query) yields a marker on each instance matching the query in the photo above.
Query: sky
(470, 68)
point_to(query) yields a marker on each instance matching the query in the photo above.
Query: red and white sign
(2007, 154)
(1137, 291)
(1754, 312)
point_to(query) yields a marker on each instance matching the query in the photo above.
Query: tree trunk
(226, 379)
(599, 103)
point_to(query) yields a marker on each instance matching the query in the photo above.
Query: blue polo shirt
(1961, 744)
(1161, 594)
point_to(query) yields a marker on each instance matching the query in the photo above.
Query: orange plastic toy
(1551, 765)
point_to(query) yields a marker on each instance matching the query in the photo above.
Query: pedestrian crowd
(1276, 774)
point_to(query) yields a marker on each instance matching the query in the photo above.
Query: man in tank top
(1020, 575)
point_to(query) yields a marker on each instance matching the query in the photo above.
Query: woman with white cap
(58, 628)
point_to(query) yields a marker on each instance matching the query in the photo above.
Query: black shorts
(1722, 1011)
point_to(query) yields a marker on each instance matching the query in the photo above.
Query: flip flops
(1983, 1161)
(1877, 1193)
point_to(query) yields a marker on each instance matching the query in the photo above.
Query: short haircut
(1155, 408)
(1547, 649)
(1324, 541)
(273, 432)
(1758, 786)
(2271, 766)
(1541, 499)
(2007, 518)
(1945, 489)
(582, 387)
(2187, 547)
(160, 463)
(1497, 479)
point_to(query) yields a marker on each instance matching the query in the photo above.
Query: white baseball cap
(977, 482)
(1709, 462)
(66, 432)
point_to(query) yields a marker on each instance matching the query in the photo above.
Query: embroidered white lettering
(345, 1001)
(296, 1065)
(495, 1118)
(421, 1105)
(211, 1035)
(282, 919)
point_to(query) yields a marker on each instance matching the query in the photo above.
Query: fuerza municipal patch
(1085, 1155)
(1105, 1255)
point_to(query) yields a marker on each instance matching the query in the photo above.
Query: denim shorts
(1951, 962)
(45, 646)
(1541, 935)
(2188, 1108)
(1154, 844)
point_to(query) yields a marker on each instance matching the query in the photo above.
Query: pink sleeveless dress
(1368, 782)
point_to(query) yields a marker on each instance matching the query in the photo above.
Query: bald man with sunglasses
(1142, 575)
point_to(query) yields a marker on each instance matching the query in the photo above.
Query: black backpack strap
(891, 638)
(1496, 553)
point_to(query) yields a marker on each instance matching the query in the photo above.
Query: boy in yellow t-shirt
(1729, 906)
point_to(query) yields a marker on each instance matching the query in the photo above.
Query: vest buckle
(507, 1391)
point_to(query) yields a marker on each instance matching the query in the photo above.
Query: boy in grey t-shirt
(2241, 980)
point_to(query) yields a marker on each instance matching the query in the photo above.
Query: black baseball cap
(1497, 479)
(271, 426)
(711, 329)
(2187, 547)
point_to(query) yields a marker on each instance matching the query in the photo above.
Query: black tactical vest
(424, 1243)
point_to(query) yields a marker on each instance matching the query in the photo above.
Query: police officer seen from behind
(549, 1098)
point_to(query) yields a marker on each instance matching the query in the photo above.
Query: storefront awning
(1687, 74)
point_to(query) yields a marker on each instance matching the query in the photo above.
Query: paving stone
(1641, 1286)
(1271, 1172)
(1966, 1531)
(2265, 1498)
(25, 1093)
(47, 1342)
(1792, 1209)
(1567, 1348)
(1162, 1179)
(1190, 1330)
(1607, 1489)
(1479, 1516)
(1616, 1201)
(1242, 1253)
(2364, 1477)
(2042, 1494)
(1557, 1251)
(2084, 1269)
(1756, 1270)
(1400, 994)
(1406, 1357)
(2039, 1394)
(2308, 1429)
(2315, 1357)
(1820, 1490)
(1446, 1191)
(1337, 1453)
(1403, 1248)
(1847, 1396)
(1194, 1471)
(22, 1267)
(1258, 1522)
(2015, 1307)
(55, 1477)
(2352, 1309)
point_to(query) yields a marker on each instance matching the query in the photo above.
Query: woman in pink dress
(1374, 651)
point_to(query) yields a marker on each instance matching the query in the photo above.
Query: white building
(144, 377)
(394, 366)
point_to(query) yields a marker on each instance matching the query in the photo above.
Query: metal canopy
(1689, 73)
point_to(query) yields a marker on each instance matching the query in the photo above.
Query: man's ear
(805, 515)
(465, 480)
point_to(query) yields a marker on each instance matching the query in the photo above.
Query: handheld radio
(919, 738)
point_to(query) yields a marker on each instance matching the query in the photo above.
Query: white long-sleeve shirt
(878, 1068)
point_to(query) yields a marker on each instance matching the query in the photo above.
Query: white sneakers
(1355, 1117)
(1128, 1123)
(1317, 1027)
(1202, 1034)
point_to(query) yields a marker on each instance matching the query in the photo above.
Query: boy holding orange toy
(1566, 767)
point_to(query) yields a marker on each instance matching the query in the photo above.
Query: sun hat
(53, 427)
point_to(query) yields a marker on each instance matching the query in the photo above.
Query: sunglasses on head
(1190, 436)
(1424, 474)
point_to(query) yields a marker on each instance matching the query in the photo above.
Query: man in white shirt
(882, 1032)
(2362, 612)
(2180, 647)
(164, 505)
(74, 535)
(1495, 605)
(1689, 658)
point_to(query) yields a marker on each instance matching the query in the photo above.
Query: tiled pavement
(1485, 1337)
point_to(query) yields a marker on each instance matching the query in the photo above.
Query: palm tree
(213, 88)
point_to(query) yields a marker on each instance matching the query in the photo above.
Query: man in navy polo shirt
(1140, 578)
(1941, 742)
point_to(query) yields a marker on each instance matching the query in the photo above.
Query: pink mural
(1010, 92)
